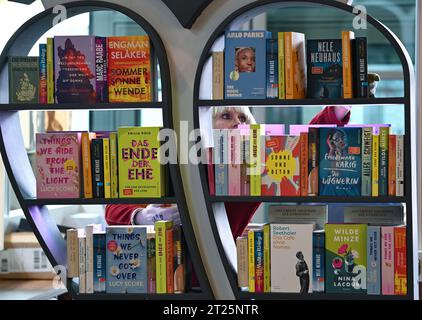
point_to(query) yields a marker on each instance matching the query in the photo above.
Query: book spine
(255, 160)
(101, 69)
(244, 170)
(179, 272)
(299, 65)
(89, 259)
(288, 65)
(97, 167)
(218, 75)
(169, 261)
(151, 263)
(251, 261)
(281, 74)
(360, 67)
(400, 165)
(267, 259)
(86, 164)
(313, 154)
(106, 165)
(113, 166)
(387, 256)
(373, 272)
(392, 165)
(383, 161)
(242, 262)
(366, 161)
(82, 265)
(234, 163)
(50, 71)
(72, 247)
(346, 37)
(220, 160)
(303, 164)
(99, 241)
(375, 164)
(259, 260)
(210, 170)
(42, 91)
(318, 276)
(160, 250)
(272, 68)
(400, 261)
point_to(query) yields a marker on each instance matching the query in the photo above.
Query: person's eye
(226, 115)
(242, 118)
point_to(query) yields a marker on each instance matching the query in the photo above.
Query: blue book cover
(245, 64)
(272, 68)
(325, 68)
(340, 161)
(99, 241)
(318, 274)
(373, 271)
(126, 259)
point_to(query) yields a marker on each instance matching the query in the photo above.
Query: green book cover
(345, 262)
(140, 173)
(23, 79)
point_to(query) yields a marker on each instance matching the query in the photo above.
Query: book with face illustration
(126, 253)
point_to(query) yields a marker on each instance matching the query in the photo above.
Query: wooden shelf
(301, 102)
(332, 199)
(93, 201)
(82, 106)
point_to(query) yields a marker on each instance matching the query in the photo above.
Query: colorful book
(340, 161)
(151, 261)
(245, 187)
(325, 68)
(281, 66)
(244, 64)
(360, 67)
(366, 161)
(400, 261)
(267, 258)
(114, 176)
(318, 256)
(101, 69)
(99, 251)
(129, 69)
(23, 79)
(221, 157)
(400, 165)
(392, 166)
(313, 161)
(233, 164)
(179, 264)
(126, 259)
(383, 161)
(74, 69)
(97, 158)
(373, 251)
(259, 260)
(251, 260)
(50, 70)
(291, 258)
(140, 171)
(272, 68)
(106, 165)
(387, 260)
(86, 163)
(345, 258)
(346, 41)
(255, 160)
(303, 160)
(160, 251)
(58, 165)
(295, 65)
(375, 165)
(42, 88)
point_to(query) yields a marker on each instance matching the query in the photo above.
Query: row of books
(256, 66)
(342, 258)
(129, 259)
(83, 69)
(122, 164)
(312, 160)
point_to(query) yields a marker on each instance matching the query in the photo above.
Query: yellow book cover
(346, 43)
(281, 77)
(288, 65)
(113, 165)
(129, 69)
(106, 164)
(160, 254)
(251, 260)
(375, 164)
(255, 160)
(50, 70)
(140, 171)
(86, 163)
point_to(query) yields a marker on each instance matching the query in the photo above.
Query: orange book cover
(295, 65)
(86, 163)
(169, 261)
(129, 69)
(400, 261)
(392, 165)
(346, 41)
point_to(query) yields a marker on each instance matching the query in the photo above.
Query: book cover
(50, 70)
(179, 267)
(360, 67)
(242, 261)
(72, 249)
(392, 165)
(23, 79)
(114, 176)
(303, 140)
(375, 165)
(295, 65)
(251, 260)
(58, 165)
(378, 215)
(151, 257)
(97, 158)
(291, 258)
(161, 254)
(259, 260)
(366, 161)
(281, 66)
(42, 88)
(400, 261)
(169, 260)
(346, 41)
(129, 69)
(387, 260)
(233, 165)
(221, 158)
(245, 64)
(218, 75)
(245, 187)
(340, 161)
(140, 172)
(106, 166)
(318, 275)
(373, 251)
(267, 258)
(310, 214)
(82, 261)
(99, 243)
(101, 71)
(325, 68)
(86, 163)
(313, 161)
(272, 68)
(383, 161)
(89, 258)
(210, 170)
(255, 168)
(345, 258)
(400, 165)
(126, 259)
(74, 69)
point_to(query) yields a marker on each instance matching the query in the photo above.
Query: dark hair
(298, 254)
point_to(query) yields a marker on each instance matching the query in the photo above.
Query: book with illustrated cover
(129, 69)
(74, 69)
(245, 64)
(23, 79)
(325, 68)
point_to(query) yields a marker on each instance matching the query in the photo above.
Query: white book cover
(82, 264)
(89, 258)
(291, 257)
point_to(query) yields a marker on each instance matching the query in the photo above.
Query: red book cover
(304, 164)
(169, 261)
(290, 183)
(400, 262)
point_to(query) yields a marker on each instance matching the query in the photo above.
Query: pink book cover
(387, 260)
(375, 127)
(296, 129)
(234, 162)
(270, 153)
(58, 165)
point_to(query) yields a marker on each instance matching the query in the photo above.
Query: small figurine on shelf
(373, 79)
